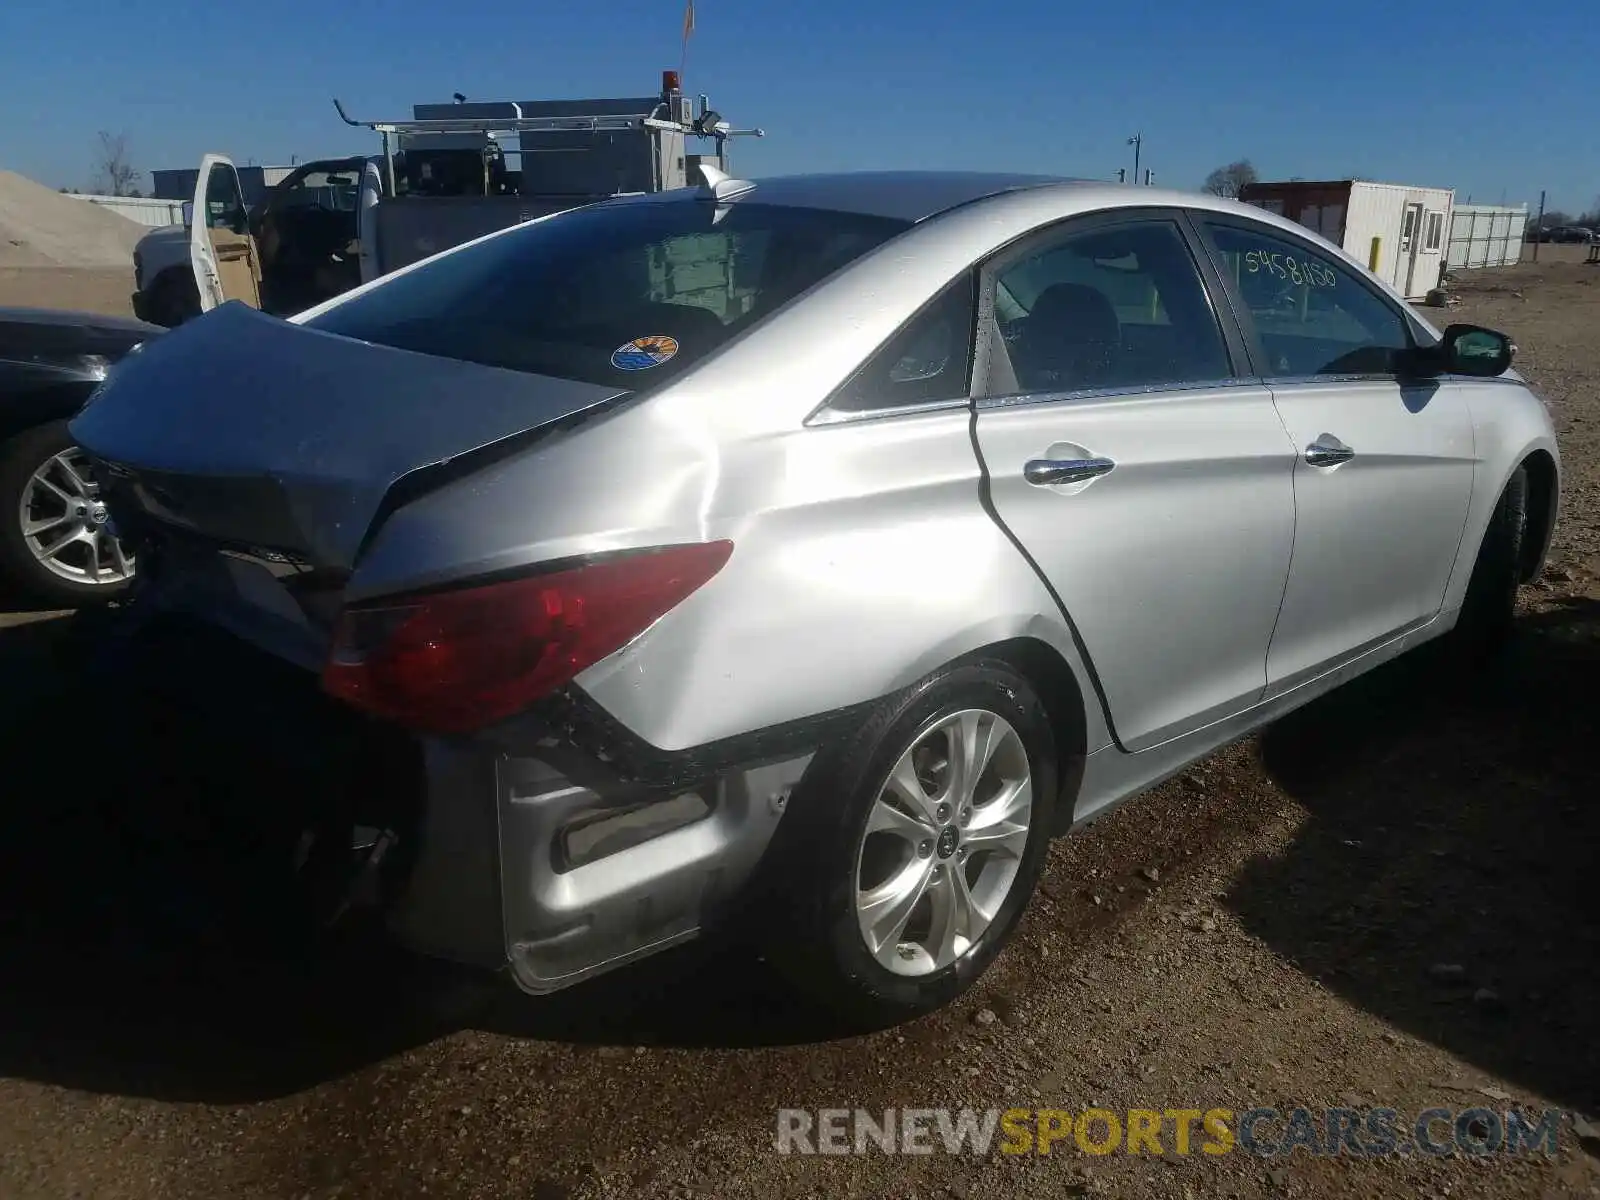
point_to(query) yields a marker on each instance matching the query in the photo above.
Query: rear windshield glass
(618, 294)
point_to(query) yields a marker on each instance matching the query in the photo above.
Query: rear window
(625, 295)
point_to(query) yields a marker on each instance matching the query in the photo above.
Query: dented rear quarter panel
(862, 559)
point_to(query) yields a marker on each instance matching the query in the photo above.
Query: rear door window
(625, 295)
(1108, 307)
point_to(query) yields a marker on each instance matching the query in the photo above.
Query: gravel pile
(43, 228)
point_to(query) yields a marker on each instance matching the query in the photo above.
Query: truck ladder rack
(578, 122)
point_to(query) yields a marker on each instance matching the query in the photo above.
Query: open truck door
(221, 249)
(367, 220)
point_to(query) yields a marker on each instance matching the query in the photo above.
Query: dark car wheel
(918, 843)
(1488, 611)
(174, 299)
(54, 542)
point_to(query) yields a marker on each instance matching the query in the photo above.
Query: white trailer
(1398, 232)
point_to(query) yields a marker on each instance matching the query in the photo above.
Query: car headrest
(1076, 313)
(1072, 338)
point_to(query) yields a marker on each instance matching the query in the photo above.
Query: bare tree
(1230, 180)
(114, 174)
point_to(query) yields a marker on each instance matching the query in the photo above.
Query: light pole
(1137, 142)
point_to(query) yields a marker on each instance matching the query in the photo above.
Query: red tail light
(454, 661)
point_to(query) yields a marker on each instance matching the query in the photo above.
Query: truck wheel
(54, 543)
(174, 299)
(919, 844)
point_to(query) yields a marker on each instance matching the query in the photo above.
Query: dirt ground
(106, 291)
(1386, 900)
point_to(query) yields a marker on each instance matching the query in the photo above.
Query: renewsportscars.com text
(1263, 1132)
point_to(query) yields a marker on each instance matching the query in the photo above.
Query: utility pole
(1538, 229)
(1137, 142)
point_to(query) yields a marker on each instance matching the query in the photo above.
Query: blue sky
(1476, 95)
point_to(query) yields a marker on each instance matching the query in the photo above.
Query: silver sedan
(818, 547)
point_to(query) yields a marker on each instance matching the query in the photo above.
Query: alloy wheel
(64, 523)
(943, 842)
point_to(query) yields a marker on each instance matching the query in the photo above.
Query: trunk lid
(253, 432)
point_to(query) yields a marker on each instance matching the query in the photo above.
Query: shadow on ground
(1454, 828)
(128, 967)
(1446, 880)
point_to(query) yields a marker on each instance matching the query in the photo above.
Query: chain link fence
(1485, 235)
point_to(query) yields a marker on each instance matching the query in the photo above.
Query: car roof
(898, 195)
(915, 196)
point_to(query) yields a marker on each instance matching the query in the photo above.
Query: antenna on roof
(720, 186)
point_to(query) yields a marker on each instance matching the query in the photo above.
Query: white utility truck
(451, 173)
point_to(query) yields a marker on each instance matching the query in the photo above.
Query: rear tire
(850, 864)
(1488, 611)
(22, 458)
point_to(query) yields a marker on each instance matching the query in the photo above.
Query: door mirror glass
(188, 214)
(1473, 350)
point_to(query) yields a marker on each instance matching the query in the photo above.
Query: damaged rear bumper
(554, 849)
(556, 867)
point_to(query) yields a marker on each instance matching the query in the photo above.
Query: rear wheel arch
(1063, 698)
(22, 411)
(1542, 497)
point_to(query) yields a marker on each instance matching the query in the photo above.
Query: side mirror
(188, 214)
(1474, 350)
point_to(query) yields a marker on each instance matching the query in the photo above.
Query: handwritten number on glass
(1300, 272)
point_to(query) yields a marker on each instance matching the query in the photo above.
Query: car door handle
(1045, 472)
(1319, 454)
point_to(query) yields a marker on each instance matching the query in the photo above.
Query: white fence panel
(143, 209)
(1485, 235)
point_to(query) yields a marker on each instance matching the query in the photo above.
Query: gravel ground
(1384, 900)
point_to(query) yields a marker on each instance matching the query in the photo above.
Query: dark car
(55, 545)
(1571, 234)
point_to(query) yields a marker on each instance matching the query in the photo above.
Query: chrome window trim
(826, 414)
(1404, 381)
(1499, 380)
(1085, 395)
(1291, 381)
